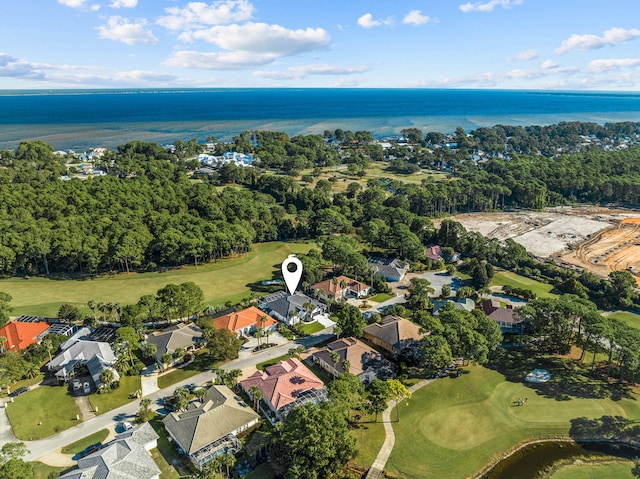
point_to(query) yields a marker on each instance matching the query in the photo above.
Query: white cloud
(13, 67)
(526, 56)
(218, 61)
(367, 21)
(124, 4)
(198, 14)
(125, 31)
(262, 38)
(303, 71)
(415, 17)
(605, 65)
(488, 6)
(72, 3)
(610, 37)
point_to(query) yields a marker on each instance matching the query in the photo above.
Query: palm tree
(179, 354)
(145, 403)
(263, 320)
(257, 395)
(107, 376)
(31, 370)
(346, 365)
(343, 286)
(92, 306)
(335, 358)
(337, 330)
(228, 460)
(45, 342)
(258, 334)
(200, 393)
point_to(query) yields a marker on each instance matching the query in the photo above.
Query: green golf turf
(224, 280)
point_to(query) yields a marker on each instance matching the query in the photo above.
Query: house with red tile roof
(340, 288)
(246, 321)
(285, 385)
(22, 335)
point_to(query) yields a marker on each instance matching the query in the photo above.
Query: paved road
(109, 419)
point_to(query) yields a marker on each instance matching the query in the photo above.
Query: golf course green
(453, 427)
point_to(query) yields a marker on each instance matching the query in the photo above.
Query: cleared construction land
(597, 239)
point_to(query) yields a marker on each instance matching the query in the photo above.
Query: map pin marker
(292, 278)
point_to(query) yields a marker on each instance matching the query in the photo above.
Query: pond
(529, 461)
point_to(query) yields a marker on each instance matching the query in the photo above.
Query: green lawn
(43, 471)
(24, 382)
(632, 319)
(170, 462)
(116, 397)
(42, 412)
(613, 470)
(452, 427)
(271, 362)
(310, 328)
(224, 280)
(82, 444)
(542, 290)
(199, 364)
(381, 297)
(166, 470)
(369, 437)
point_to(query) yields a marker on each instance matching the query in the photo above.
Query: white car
(86, 387)
(126, 425)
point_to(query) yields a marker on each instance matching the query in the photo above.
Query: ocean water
(80, 119)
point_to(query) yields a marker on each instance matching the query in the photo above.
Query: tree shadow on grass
(569, 378)
(613, 428)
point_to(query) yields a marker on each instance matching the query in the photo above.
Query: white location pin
(292, 278)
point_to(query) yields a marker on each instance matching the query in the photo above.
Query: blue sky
(527, 44)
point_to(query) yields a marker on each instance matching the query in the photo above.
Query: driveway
(128, 411)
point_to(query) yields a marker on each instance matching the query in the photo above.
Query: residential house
(291, 308)
(392, 334)
(21, 335)
(506, 317)
(341, 287)
(390, 269)
(126, 457)
(363, 361)
(434, 252)
(285, 385)
(95, 355)
(466, 304)
(211, 428)
(246, 321)
(187, 336)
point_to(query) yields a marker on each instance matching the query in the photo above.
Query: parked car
(19, 391)
(86, 387)
(126, 425)
(91, 449)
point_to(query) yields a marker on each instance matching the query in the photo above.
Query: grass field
(82, 444)
(369, 437)
(310, 328)
(613, 470)
(381, 297)
(632, 319)
(42, 412)
(44, 471)
(224, 280)
(451, 428)
(199, 364)
(116, 397)
(542, 290)
(166, 470)
(166, 457)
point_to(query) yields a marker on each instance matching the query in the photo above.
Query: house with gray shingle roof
(185, 336)
(211, 428)
(95, 355)
(290, 308)
(126, 457)
(391, 269)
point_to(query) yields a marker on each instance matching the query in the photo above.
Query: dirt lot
(600, 240)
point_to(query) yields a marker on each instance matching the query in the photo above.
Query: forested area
(148, 212)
